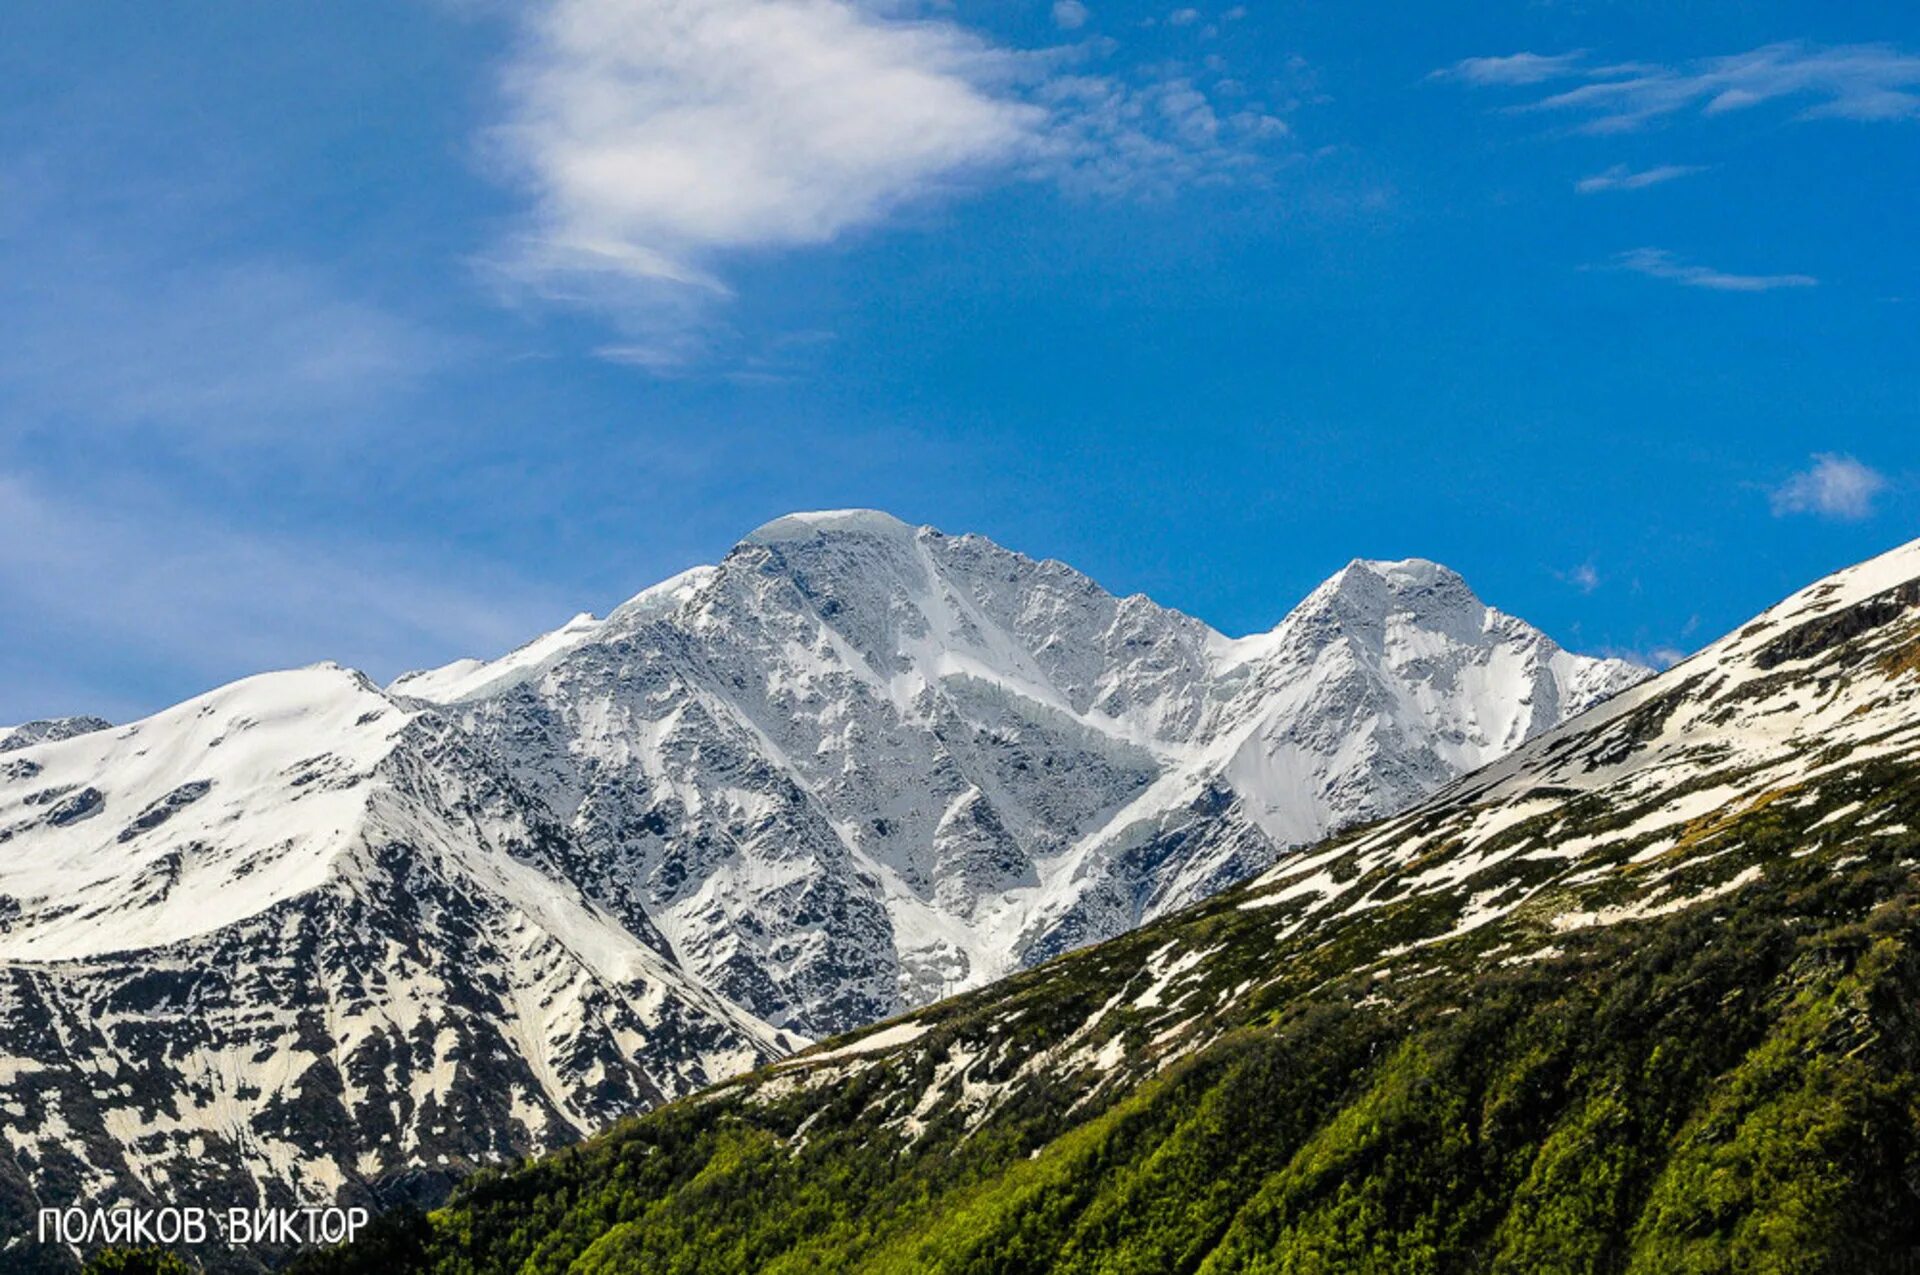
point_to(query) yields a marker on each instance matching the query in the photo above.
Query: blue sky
(388, 333)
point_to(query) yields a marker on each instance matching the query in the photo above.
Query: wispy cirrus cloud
(1585, 577)
(1867, 82)
(1621, 177)
(656, 140)
(1511, 68)
(1834, 486)
(1658, 263)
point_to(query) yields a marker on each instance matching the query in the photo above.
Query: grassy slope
(1727, 1087)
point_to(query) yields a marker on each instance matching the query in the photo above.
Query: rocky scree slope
(1640, 997)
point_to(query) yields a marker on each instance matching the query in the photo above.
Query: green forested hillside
(1645, 999)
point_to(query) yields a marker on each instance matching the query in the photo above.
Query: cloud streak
(1657, 263)
(1511, 69)
(1620, 177)
(220, 352)
(1835, 486)
(656, 140)
(1865, 82)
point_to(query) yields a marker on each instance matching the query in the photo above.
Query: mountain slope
(1639, 997)
(293, 941)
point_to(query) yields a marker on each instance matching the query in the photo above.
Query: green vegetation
(1726, 1087)
(137, 1261)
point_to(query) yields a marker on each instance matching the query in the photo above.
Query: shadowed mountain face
(1638, 997)
(305, 938)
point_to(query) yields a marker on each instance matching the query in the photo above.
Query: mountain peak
(1365, 594)
(1405, 572)
(810, 525)
(1398, 576)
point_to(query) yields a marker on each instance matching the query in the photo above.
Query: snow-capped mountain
(859, 765)
(321, 936)
(1388, 681)
(1800, 703)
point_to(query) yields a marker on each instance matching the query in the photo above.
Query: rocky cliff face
(292, 941)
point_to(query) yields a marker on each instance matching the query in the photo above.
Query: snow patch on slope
(195, 818)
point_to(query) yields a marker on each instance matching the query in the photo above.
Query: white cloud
(1620, 177)
(1857, 82)
(658, 138)
(652, 130)
(1657, 263)
(1583, 577)
(1069, 15)
(1514, 68)
(1835, 486)
(1183, 17)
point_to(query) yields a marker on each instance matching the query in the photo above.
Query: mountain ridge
(479, 912)
(912, 630)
